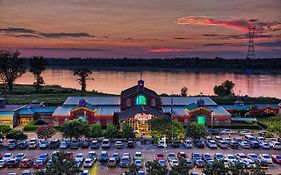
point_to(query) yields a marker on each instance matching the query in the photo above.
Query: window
(153, 103)
(128, 102)
(201, 120)
(141, 100)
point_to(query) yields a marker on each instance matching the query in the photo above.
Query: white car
(7, 156)
(20, 156)
(275, 145)
(249, 163)
(187, 143)
(118, 144)
(174, 162)
(212, 144)
(79, 157)
(138, 163)
(105, 143)
(88, 163)
(33, 143)
(245, 144)
(266, 157)
(230, 158)
(241, 156)
(264, 145)
(162, 144)
(254, 157)
(2, 163)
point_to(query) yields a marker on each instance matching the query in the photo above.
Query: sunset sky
(140, 28)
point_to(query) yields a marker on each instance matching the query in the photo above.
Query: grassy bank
(51, 95)
(56, 95)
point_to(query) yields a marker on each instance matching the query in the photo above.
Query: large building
(138, 104)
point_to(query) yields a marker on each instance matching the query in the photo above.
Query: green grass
(51, 95)
(272, 123)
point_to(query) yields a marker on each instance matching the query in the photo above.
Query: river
(268, 85)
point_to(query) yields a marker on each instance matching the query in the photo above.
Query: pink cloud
(164, 50)
(237, 24)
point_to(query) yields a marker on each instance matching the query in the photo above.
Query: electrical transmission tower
(251, 47)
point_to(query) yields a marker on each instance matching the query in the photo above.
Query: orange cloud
(237, 24)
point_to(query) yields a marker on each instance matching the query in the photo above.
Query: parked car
(33, 143)
(7, 156)
(54, 144)
(64, 145)
(85, 172)
(264, 145)
(174, 162)
(230, 158)
(74, 144)
(275, 145)
(43, 144)
(200, 143)
(254, 144)
(171, 156)
(118, 144)
(12, 163)
(26, 172)
(44, 157)
(196, 156)
(130, 143)
(79, 157)
(234, 145)
(206, 157)
(276, 158)
(199, 163)
(244, 144)
(85, 144)
(188, 144)
(105, 144)
(20, 156)
(3, 163)
(103, 156)
(181, 155)
(211, 144)
(26, 163)
(116, 156)
(112, 162)
(266, 158)
(95, 144)
(189, 163)
(160, 157)
(253, 156)
(162, 163)
(176, 144)
(22, 144)
(162, 144)
(218, 156)
(240, 156)
(88, 163)
(12, 144)
(138, 156)
(125, 162)
(92, 155)
(222, 144)
(38, 164)
(138, 163)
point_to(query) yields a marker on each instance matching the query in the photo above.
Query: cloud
(165, 50)
(181, 38)
(239, 36)
(64, 49)
(24, 32)
(129, 39)
(270, 44)
(236, 24)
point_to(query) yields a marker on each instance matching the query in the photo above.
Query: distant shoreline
(192, 70)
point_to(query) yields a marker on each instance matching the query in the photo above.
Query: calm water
(165, 82)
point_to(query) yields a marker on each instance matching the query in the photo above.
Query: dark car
(95, 144)
(130, 143)
(22, 144)
(176, 144)
(200, 143)
(26, 163)
(254, 144)
(85, 144)
(125, 162)
(74, 144)
(54, 144)
(12, 144)
(12, 163)
(234, 145)
(103, 156)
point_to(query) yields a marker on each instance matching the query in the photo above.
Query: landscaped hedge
(32, 126)
(239, 126)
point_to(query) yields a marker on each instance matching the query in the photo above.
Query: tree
(4, 128)
(75, 128)
(184, 91)
(110, 131)
(45, 131)
(16, 134)
(217, 168)
(37, 66)
(195, 130)
(62, 165)
(182, 169)
(96, 131)
(11, 67)
(154, 168)
(83, 75)
(132, 170)
(224, 89)
(128, 131)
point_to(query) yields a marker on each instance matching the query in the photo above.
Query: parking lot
(149, 152)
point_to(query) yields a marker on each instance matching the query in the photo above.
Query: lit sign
(142, 117)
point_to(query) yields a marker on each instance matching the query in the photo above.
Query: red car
(38, 164)
(26, 163)
(181, 155)
(160, 157)
(276, 158)
(69, 155)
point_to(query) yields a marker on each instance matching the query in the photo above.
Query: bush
(16, 134)
(5, 128)
(40, 122)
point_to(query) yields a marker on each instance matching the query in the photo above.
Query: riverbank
(56, 95)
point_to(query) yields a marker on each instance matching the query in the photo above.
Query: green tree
(11, 67)
(111, 131)
(83, 75)
(184, 91)
(75, 128)
(96, 131)
(224, 89)
(195, 130)
(62, 165)
(45, 131)
(128, 131)
(154, 168)
(4, 129)
(217, 168)
(37, 66)
(16, 134)
(132, 170)
(182, 169)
